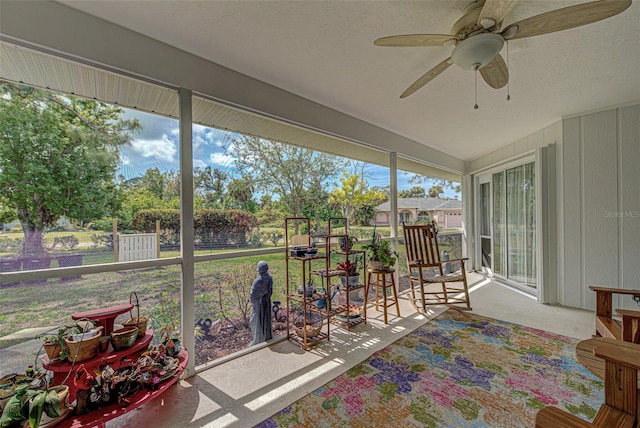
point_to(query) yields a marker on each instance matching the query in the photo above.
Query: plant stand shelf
(99, 416)
(349, 321)
(300, 252)
(349, 254)
(104, 316)
(121, 358)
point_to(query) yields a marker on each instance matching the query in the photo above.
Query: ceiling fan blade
(565, 18)
(414, 40)
(495, 73)
(495, 10)
(427, 77)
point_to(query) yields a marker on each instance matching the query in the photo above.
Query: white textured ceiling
(323, 51)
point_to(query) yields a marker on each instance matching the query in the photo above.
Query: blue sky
(156, 146)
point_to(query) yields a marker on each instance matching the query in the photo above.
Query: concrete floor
(247, 390)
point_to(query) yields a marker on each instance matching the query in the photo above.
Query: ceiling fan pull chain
(509, 80)
(476, 76)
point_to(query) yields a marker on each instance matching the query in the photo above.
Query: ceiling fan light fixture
(477, 51)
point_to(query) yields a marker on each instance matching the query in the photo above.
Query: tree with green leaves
(58, 157)
(240, 194)
(414, 192)
(353, 195)
(435, 191)
(443, 183)
(285, 170)
(209, 184)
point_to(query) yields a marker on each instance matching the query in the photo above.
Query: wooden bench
(606, 325)
(621, 361)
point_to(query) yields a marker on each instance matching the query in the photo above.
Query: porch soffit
(22, 65)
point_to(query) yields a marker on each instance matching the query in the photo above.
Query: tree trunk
(32, 238)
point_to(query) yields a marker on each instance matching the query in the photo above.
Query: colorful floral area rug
(458, 370)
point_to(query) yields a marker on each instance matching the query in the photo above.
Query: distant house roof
(423, 204)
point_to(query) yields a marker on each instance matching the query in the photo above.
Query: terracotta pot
(375, 264)
(52, 350)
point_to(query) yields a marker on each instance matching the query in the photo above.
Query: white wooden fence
(139, 246)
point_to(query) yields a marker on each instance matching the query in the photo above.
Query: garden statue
(260, 298)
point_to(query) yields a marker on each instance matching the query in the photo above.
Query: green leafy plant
(30, 404)
(380, 250)
(352, 268)
(164, 317)
(58, 339)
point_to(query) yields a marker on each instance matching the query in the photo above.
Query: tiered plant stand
(117, 360)
(312, 331)
(340, 315)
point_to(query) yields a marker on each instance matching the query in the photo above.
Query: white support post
(468, 221)
(393, 201)
(186, 228)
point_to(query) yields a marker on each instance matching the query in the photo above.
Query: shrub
(102, 240)
(105, 224)
(8, 245)
(68, 242)
(212, 228)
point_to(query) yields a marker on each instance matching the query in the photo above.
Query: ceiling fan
(478, 36)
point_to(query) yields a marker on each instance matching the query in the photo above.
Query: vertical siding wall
(599, 205)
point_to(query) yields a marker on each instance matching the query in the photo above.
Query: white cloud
(221, 159)
(163, 149)
(197, 163)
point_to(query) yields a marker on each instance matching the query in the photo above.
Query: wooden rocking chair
(426, 270)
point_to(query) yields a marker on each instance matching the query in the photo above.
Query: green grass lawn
(51, 303)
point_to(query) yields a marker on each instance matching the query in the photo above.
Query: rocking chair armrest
(462, 259)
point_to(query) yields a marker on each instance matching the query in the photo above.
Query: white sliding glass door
(507, 217)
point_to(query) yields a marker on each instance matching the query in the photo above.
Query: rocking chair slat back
(421, 245)
(426, 270)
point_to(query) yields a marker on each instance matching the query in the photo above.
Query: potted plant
(381, 254)
(37, 407)
(351, 276)
(54, 344)
(347, 242)
(309, 288)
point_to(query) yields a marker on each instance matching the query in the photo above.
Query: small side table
(381, 285)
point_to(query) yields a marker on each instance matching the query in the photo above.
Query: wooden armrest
(455, 260)
(608, 327)
(553, 417)
(610, 417)
(627, 355)
(614, 290)
(628, 313)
